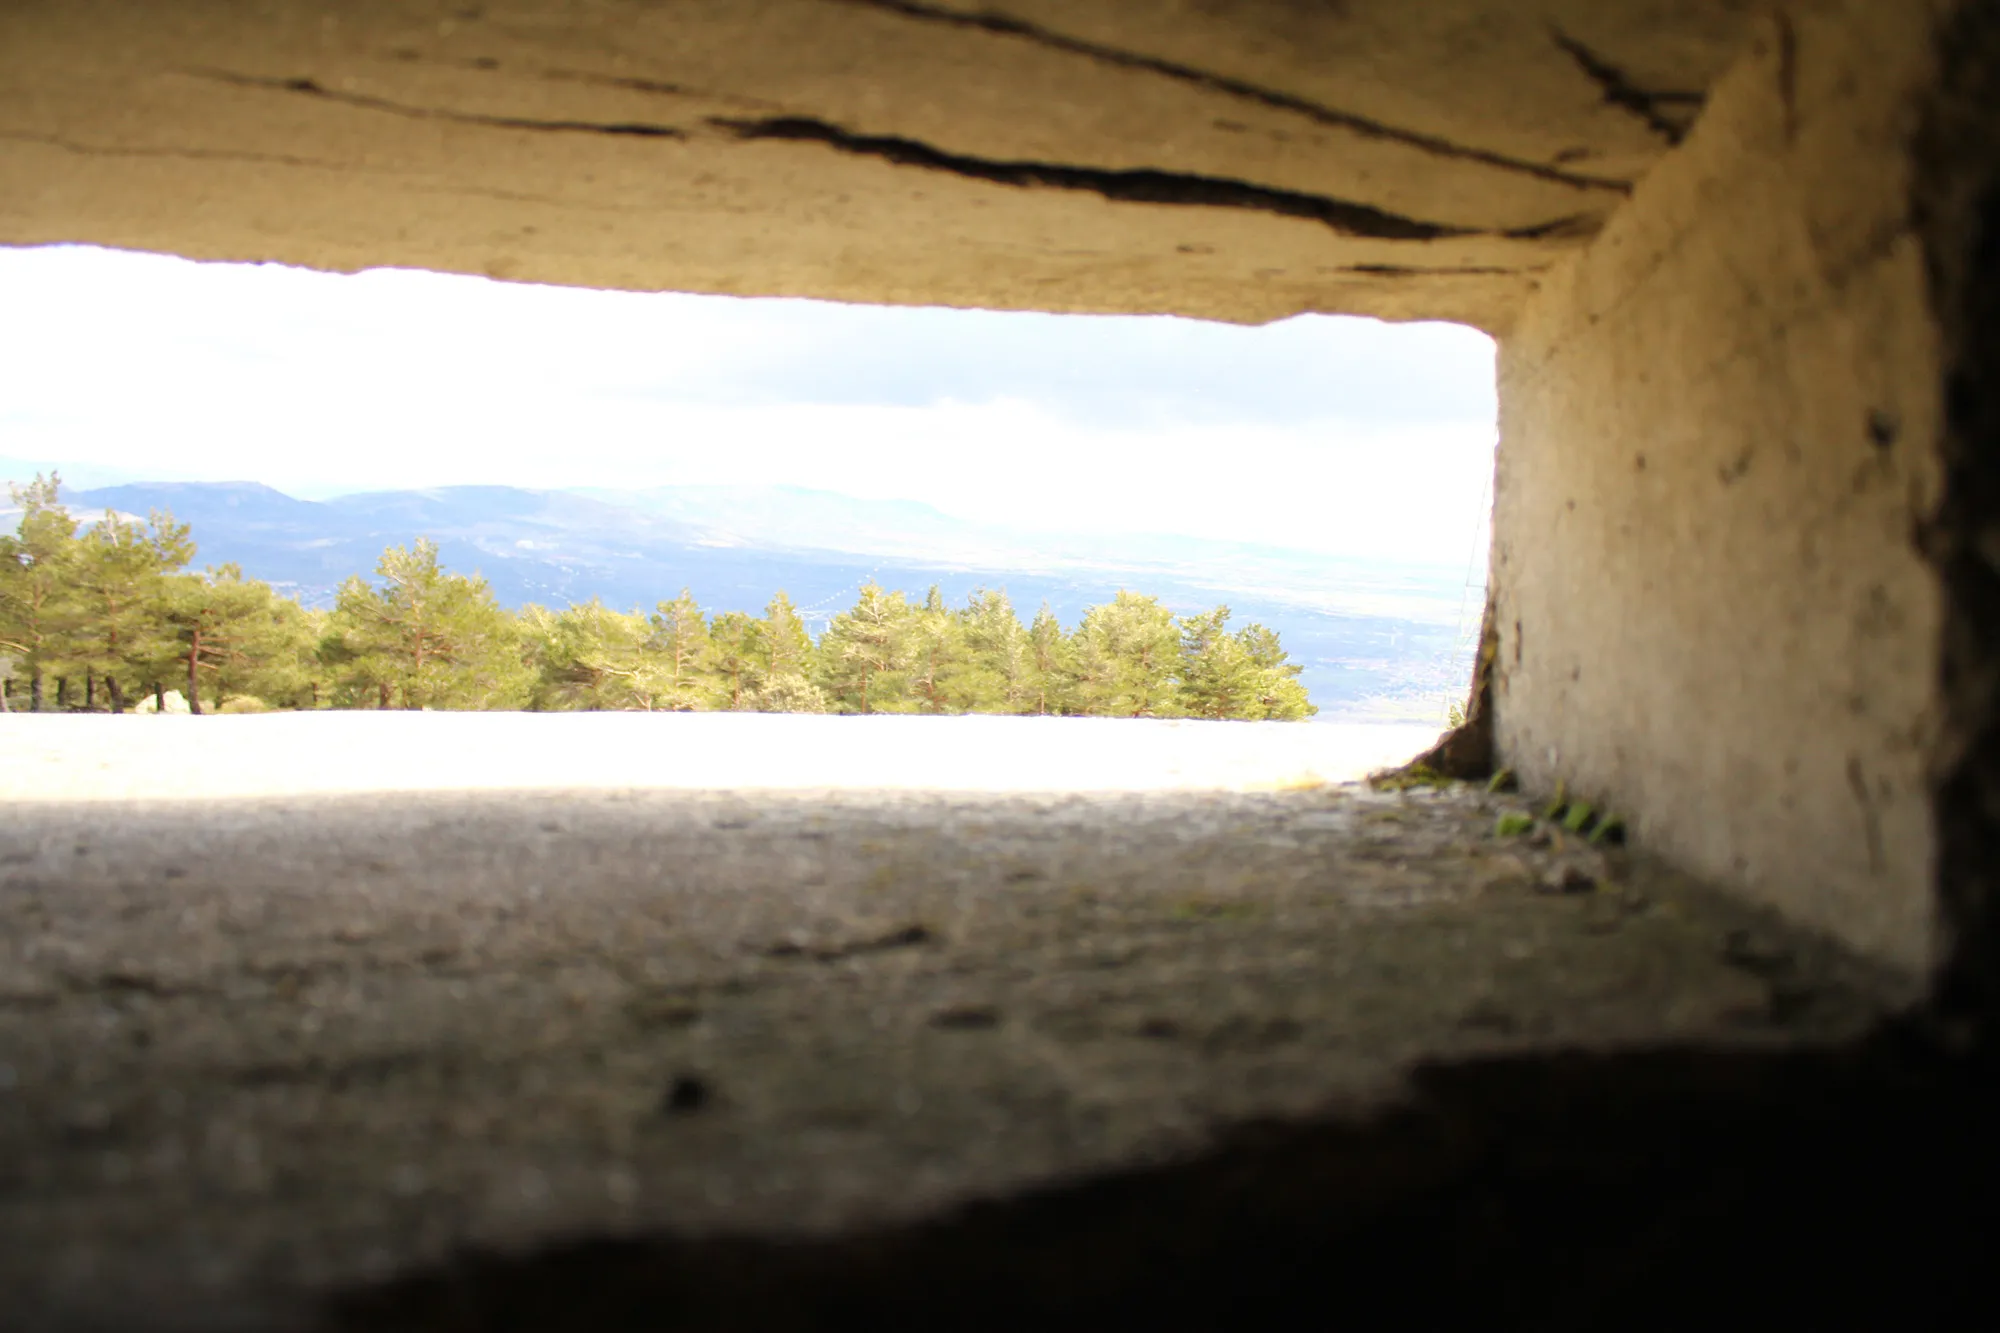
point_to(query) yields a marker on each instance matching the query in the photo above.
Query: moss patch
(1408, 777)
(1216, 909)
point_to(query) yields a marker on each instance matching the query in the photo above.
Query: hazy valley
(1377, 640)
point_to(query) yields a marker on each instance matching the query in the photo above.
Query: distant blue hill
(1397, 650)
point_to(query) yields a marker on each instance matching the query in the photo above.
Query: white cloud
(1345, 436)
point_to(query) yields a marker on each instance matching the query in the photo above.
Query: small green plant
(1558, 804)
(1503, 781)
(1514, 824)
(1579, 818)
(1610, 829)
(1407, 777)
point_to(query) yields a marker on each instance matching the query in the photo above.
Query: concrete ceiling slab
(1235, 159)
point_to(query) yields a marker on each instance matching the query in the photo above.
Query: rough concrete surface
(253, 1053)
(1720, 433)
(1244, 160)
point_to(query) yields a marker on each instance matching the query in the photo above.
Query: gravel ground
(257, 1051)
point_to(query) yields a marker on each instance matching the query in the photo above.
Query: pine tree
(1279, 695)
(938, 658)
(1128, 657)
(589, 657)
(999, 672)
(237, 635)
(38, 605)
(1218, 678)
(120, 574)
(1051, 680)
(683, 653)
(784, 647)
(558, 681)
(865, 653)
(425, 639)
(786, 661)
(357, 648)
(733, 638)
(290, 674)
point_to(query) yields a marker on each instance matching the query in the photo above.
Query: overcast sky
(1341, 435)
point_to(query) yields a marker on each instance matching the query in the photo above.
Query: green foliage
(1240, 675)
(1128, 659)
(733, 657)
(237, 637)
(589, 657)
(424, 639)
(39, 596)
(866, 654)
(940, 658)
(785, 662)
(1050, 682)
(682, 654)
(999, 671)
(1514, 824)
(242, 703)
(109, 602)
(117, 575)
(1218, 679)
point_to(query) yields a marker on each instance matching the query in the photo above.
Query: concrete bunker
(1741, 260)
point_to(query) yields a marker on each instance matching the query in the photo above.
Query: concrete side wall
(1719, 432)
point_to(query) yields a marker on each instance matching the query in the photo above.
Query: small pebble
(1568, 878)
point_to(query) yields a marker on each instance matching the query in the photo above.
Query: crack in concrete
(311, 88)
(1788, 74)
(1006, 26)
(1871, 818)
(306, 163)
(1141, 185)
(1621, 92)
(1123, 185)
(1413, 271)
(657, 88)
(190, 154)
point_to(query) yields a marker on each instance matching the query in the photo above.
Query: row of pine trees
(104, 615)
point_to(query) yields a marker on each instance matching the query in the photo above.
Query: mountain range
(1376, 640)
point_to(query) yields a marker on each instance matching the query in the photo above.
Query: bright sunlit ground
(102, 757)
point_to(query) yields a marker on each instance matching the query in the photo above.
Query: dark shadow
(1668, 1189)
(1955, 208)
